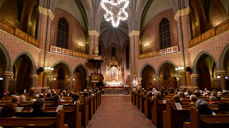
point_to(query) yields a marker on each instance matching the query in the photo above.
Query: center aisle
(118, 112)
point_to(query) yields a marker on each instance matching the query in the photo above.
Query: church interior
(114, 63)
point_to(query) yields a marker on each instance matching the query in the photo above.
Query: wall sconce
(226, 77)
(146, 44)
(179, 68)
(49, 69)
(54, 78)
(81, 44)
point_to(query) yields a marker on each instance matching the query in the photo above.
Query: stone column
(194, 80)
(184, 36)
(134, 52)
(186, 30)
(6, 80)
(93, 40)
(222, 80)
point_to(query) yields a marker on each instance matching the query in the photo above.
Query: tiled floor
(118, 112)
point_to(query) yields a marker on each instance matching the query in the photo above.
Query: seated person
(38, 109)
(223, 108)
(193, 99)
(15, 100)
(212, 100)
(22, 98)
(202, 106)
(9, 110)
(176, 99)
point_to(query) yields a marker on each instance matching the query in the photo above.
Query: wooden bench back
(206, 121)
(50, 122)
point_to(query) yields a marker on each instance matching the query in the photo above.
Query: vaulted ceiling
(90, 15)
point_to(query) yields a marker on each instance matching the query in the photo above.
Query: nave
(118, 112)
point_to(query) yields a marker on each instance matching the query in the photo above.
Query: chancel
(114, 63)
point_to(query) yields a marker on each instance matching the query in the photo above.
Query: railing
(161, 52)
(210, 33)
(18, 33)
(68, 52)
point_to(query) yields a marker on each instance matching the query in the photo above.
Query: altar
(114, 76)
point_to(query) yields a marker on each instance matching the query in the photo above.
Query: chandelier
(115, 11)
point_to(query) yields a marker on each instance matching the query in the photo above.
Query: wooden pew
(50, 122)
(71, 113)
(141, 102)
(73, 116)
(134, 97)
(146, 106)
(137, 100)
(94, 103)
(91, 108)
(157, 109)
(84, 109)
(206, 121)
(173, 118)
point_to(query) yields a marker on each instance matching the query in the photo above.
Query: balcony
(161, 52)
(5, 26)
(210, 33)
(68, 52)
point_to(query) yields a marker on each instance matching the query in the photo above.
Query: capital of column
(93, 33)
(194, 76)
(46, 11)
(8, 73)
(134, 33)
(34, 76)
(182, 12)
(221, 73)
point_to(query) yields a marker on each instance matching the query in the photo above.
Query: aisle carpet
(118, 112)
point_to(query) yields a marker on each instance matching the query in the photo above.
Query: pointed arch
(66, 64)
(143, 67)
(163, 63)
(7, 58)
(194, 67)
(30, 57)
(84, 67)
(222, 57)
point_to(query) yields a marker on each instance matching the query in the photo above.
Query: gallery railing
(5, 26)
(68, 52)
(210, 33)
(161, 52)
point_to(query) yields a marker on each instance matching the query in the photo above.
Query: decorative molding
(182, 12)
(47, 12)
(194, 76)
(8, 73)
(68, 52)
(34, 76)
(18, 34)
(134, 33)
(93, 33)
(161, 52)
(213, 32)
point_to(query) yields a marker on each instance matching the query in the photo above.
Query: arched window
(165, 39)
(113, 52)
(62, 34)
